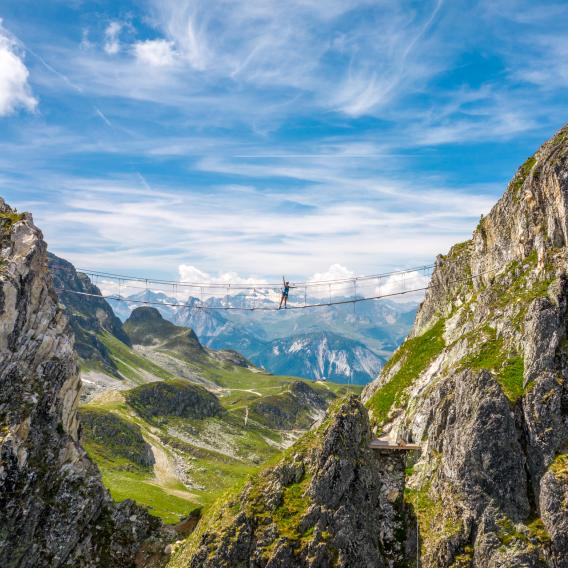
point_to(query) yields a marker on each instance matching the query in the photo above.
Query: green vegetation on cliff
(433, 515)
(522, 174)
(173, 398)
(412, 357)
(559, 467)
(9, 218)
(489, 353)
(112, 437)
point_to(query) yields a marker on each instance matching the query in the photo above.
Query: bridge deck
(377, 444)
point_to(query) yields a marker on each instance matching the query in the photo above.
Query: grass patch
(294, 506)
(458, 249)
(414, 355)
(129, 363)
(491, 355)
(559, 467)
(560, 137)
(432, 514)
(142, 489)
(532, 534)
(465, 558)
(522, 174)
(9, 218)
(511, 377)
(114, 438)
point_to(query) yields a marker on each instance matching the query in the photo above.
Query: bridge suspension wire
(250, 286)
(200, 305)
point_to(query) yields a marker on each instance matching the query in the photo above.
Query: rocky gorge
(480, 384)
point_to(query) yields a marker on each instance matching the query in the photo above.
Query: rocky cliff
(329, 501)
(54, 510)
(482, 383)
(89, 317)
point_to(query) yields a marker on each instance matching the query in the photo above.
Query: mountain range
(341, 343)
(171, 422)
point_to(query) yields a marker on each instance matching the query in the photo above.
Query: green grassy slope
(199, 455)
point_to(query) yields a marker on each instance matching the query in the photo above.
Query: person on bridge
(285, 292)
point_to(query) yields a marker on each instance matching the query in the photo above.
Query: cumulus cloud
(403, 287)
(324, 284)
(155, 52)
(15, 91)
(112, 38)
(334, 272)
(189, 273)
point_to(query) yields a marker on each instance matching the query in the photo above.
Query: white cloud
(334, 272)
(15, 91)
(112, 38)
(155, 52)
(299, 45)
(320, 284)
(403, 287)
(190, 273)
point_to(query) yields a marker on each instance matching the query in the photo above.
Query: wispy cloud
(112, 38)
(267, 137)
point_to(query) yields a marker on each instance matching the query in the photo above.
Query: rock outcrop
(174, 398)
(482, 383)
(330, 501)
(298, 408)
(89, 317)
(54, 510)
(146, 326)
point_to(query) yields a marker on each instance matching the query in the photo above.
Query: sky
(244, 140)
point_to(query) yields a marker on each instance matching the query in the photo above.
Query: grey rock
(331, 501)
(54, 510)
(490, 405)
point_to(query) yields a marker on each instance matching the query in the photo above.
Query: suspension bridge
(259, 296)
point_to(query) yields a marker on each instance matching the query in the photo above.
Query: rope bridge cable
(345, 287)
(202, 306)
(249, 286)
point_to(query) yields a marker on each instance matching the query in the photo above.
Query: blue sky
(198, 138)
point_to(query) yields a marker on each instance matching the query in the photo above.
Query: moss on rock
(173, 398)
(413, 356)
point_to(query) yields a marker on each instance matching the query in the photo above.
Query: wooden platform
(377, 444)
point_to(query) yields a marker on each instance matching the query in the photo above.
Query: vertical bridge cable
(354, 296)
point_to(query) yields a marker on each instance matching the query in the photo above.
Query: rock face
(298, 408)
(89, 317)
(330, 501)
(54, 510)
(482, 383)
